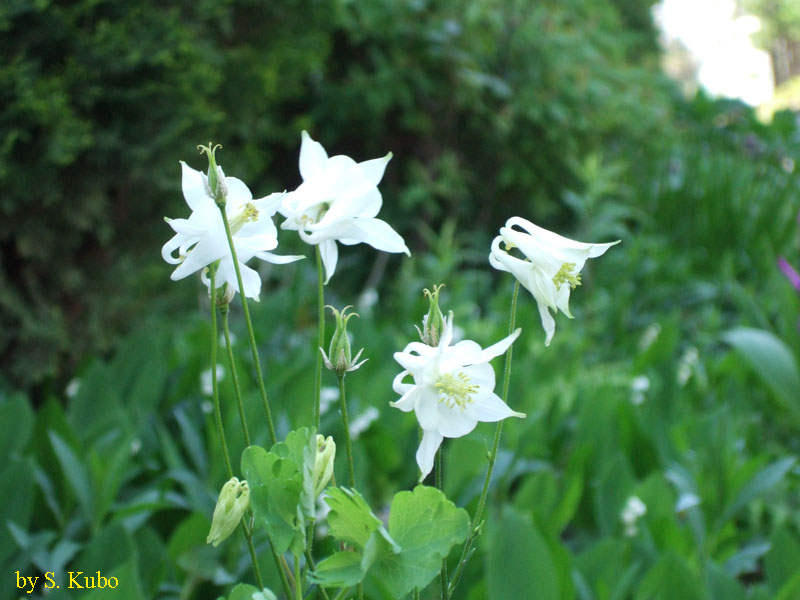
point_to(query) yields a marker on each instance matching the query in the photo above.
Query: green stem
(351, 473)
(310, 564)
(214, 382)
(225, 309)
(348, 448)
(476, 521)
(342, 593)
(251, 336)
(440, 486)
(320, 338)
(298, 580)
(253, 558)
(416, 594)
(218, 418)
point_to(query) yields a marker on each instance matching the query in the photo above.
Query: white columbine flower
(550, 269)
(200, 240)
(453, 389)
(338, 201)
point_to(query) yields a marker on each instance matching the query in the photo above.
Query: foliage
(486, 106)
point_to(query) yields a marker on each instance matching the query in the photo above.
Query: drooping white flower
(338, 201)
(201, 240)
(551, 267)
(453, 389)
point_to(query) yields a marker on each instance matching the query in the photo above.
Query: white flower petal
(500, 347)
(312, 157)
(490, 409)
(203, 254)
(278, 259)
(330, 255)
(431, 440)
(427, 409)
(548, 322)
(408, 399)
(195, 188)
(454, 421)
(269, 204)
(170, 247)
(238, 192)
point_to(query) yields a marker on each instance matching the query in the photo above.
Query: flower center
(567, 274)
(249, 213)
(455, 389)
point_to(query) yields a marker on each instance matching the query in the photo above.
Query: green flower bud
(232, 502)
(216, 178)
(338, 358)
(323, 463)
(432, 323)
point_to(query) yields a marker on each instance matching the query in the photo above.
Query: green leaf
(350, 519)
(16, 424)
(772, 360)
(245, 591)
(783, 559)
(791, 590)
(671, 578)
(520, 561)
(426, 525)
(761, 482)
(721, 584)
(16, 478)
(76, 474)
(276, 488)
(343, 569)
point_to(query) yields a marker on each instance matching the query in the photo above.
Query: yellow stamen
(455, 390)
(249, 213)
(567, 274)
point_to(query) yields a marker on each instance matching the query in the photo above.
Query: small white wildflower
(72, 388)
(362, 422)
(649, 336)
(687, 365)
(686, 501)
(633, 511)
(327, 396)
(639, 385)
(205, 379)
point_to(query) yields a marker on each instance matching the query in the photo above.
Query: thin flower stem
(320, 337)
(318, 372)
(214, 383)
(348, 448)
(476, 520)
(225, 309)
(351, 474)
(248, 321)
(342, 593)
(310, 564)
(298, 580)
(416, 594)
(218, 418)
(248, 535)
(440, 486)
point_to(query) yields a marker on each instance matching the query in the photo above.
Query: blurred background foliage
(677, 382)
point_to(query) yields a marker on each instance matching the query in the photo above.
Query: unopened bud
(339, 358)
(215, 178)
(232, 502)
(323, 463)
(433, 323)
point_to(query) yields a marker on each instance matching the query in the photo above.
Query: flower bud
(323, 463)
(215, 178)
(339, 358)
(232, 502)
(432, 323)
